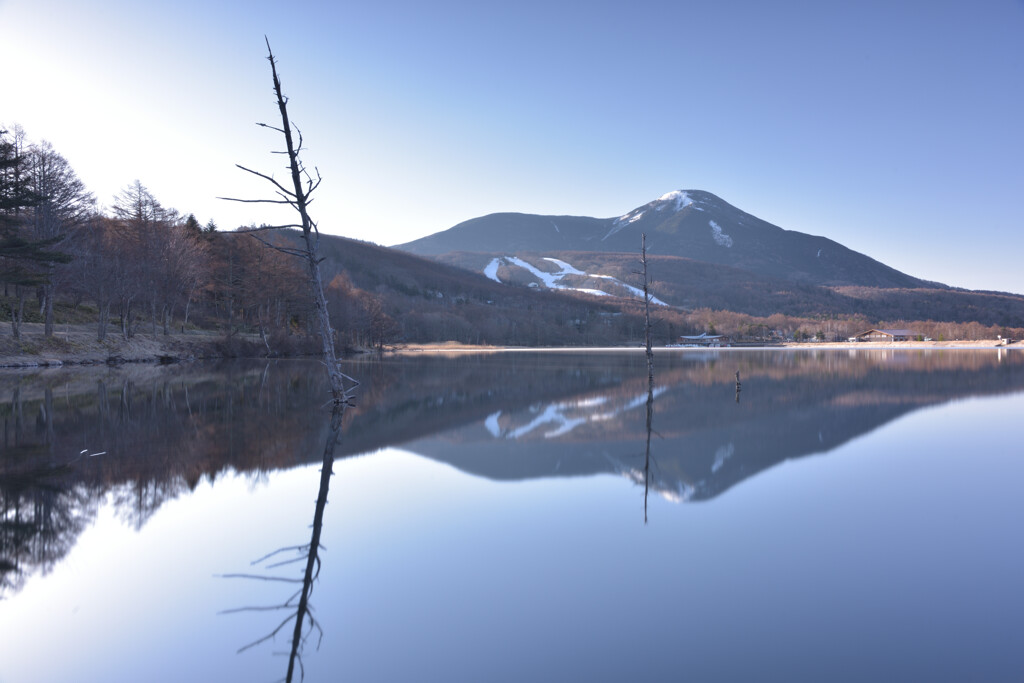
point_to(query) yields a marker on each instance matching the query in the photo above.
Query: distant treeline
(142, 267)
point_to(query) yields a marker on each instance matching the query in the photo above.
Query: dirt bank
(77, 344)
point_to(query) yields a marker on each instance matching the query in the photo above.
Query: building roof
(891, 333)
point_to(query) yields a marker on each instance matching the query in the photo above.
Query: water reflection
(141, 436)
(298, 607)
(794, 405)
(145, 435)
(647, 442)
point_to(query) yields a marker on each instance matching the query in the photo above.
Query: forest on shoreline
(138, 270)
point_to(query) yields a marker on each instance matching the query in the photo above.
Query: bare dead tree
(647, 314)
(297, 194)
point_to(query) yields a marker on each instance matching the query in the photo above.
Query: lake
(518, 516)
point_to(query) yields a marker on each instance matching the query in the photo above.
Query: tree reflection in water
(647, 453)
(304, 624)
(42, 509)
(155, 433)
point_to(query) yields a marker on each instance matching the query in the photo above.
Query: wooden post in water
(738, 386)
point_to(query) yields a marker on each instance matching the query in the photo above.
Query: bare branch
(255, 201)
(298, 548)
(298, 253)
(270, 179)
(272, 608)
(262, 228)
(264, 125)
(284, 563)
(283, 250)
(313, 185)
(282, 579)
(267, 637)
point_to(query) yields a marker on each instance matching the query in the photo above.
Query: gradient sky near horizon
(894, 128)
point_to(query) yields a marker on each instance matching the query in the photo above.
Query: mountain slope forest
(140, 268)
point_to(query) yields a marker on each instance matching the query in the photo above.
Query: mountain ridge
(693, 224)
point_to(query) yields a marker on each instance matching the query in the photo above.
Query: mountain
(686, 223)
(537, 299)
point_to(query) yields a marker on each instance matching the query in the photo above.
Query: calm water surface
(509, 517)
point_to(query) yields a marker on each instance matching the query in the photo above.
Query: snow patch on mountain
(622, 221)
(553, 280)
(491, 269)
(616, 226)
(566, 268)
(720, 237)
(634, 290)
(550, 280)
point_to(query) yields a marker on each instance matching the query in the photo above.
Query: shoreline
(456, 348)
(80, 347)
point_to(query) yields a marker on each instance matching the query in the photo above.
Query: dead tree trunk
(647, 314)
(300, 201)
(298, 197)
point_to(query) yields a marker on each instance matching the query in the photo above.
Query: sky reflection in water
(889, 555)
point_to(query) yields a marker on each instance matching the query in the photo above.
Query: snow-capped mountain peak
(676, 201)
(679, 198)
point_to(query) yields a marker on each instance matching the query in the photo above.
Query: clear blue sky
(894, 128)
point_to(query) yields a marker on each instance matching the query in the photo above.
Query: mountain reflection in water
(794, 404)
(144, 435)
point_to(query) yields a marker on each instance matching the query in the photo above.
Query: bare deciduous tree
(94, 274)
(63, 204)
